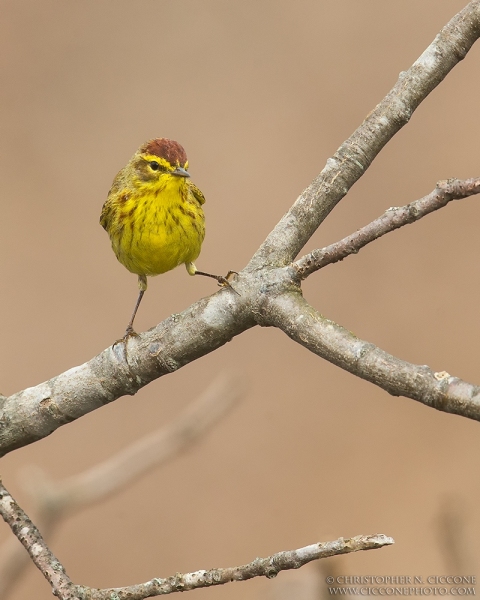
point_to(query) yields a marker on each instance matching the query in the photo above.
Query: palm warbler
(154, 217)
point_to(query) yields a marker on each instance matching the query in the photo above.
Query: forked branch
(357, 153)
(269, 295)
(34, 413)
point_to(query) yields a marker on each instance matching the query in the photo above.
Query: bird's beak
(180, 172)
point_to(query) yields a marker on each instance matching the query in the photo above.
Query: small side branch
(260, 567)
(63, 588)
(393, 218)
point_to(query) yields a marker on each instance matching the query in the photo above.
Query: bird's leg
(222, 281)
(142, 284)
(130, 331)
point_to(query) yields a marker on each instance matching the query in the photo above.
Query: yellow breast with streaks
(158, 227)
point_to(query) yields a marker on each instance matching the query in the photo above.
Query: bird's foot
(129, 332)
(224, 281)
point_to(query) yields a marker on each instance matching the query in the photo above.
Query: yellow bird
(154, 217)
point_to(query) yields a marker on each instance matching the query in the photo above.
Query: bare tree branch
(64, 589)
(56, 500)
(302, 323)
(357, 153)
(36, 412)
(269, 295)
(393, 218)
(208, 324)
(260, 567)
(32, 541)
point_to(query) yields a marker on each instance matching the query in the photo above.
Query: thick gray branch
(356, 154)
(208, 324)
(302, 323)
(36, 412)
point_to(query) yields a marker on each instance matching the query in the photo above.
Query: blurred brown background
(260, 93)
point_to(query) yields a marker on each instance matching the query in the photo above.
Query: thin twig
(260, 567)
(64, 589)
(56, 500)
(32, 541)
(393, 218)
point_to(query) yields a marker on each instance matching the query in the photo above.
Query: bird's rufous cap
(168, 149)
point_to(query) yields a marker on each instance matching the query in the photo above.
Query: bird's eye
(154, 165)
